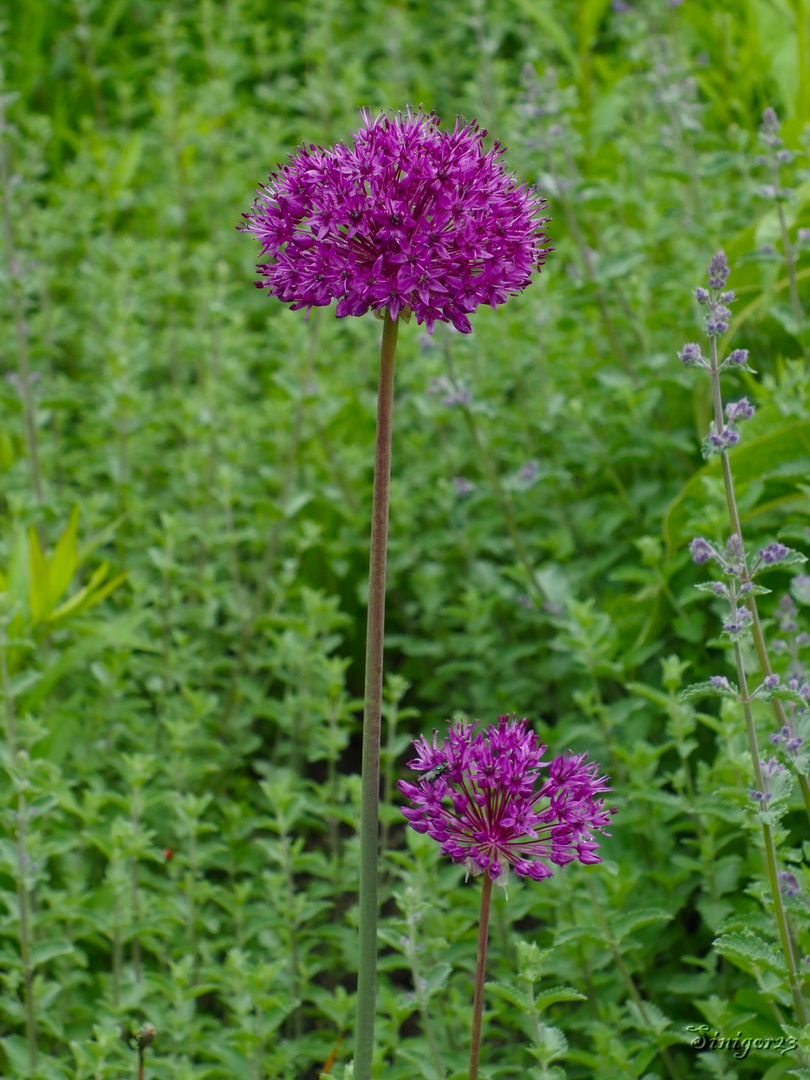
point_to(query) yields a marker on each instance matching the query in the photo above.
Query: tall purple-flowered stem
(762, 653)
(480, 975)
(372, 711)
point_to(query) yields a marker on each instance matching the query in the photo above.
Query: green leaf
(750, 952)
(64, 561)
(633, 920)
(48, 950)
(551, 997)
(708, 689)
(751, 460)
(38, 579)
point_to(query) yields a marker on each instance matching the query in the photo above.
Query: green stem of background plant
(767, 831)
(20, 327)
(23, 895)
(480, 975)
(372, 711)
(751, 600)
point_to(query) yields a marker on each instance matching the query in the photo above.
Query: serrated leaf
(511, 994)
(708, 689)
(551, 997)
(634, 920)
(750, 952)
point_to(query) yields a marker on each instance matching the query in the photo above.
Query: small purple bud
(718, 271)
(690, 356)
(770, 121)
(701, 551)
(784, 157)
(621, 7)
(737, 358)
(760, 796)
(702, 295)
(768, 191)
(789, 883)
(728, 297)
(720, 682)
(794, 745)
(716, 327)
(773, 553)
(719, 589)
(463, 486)
(528, 472)
(770, 682)
(739, 410)
(803, 236)
(770, 768)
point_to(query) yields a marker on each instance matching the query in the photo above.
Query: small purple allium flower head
(718, 271)
(408, 218)
(485, 800)
(701, 551)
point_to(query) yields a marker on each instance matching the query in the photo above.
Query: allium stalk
(372, 710)
(484, 799)
(408, 220)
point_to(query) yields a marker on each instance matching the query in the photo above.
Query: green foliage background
(180, 790)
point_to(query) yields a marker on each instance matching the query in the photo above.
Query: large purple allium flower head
(408, 218)
(486, 799)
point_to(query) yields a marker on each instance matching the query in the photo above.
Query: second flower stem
(480, 975)
(372, 712)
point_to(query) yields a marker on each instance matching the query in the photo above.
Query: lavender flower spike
(487, 811)
(408, 218)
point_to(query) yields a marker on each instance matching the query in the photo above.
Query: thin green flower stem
(767, 831)
(628, 978)
(372, 711)
(20, 328)
(751, 600)
(23, 895)
(501, 494)
(480, 974)
(770, 850)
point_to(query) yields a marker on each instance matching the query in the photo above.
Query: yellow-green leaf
(64, 561)
(38, 580)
